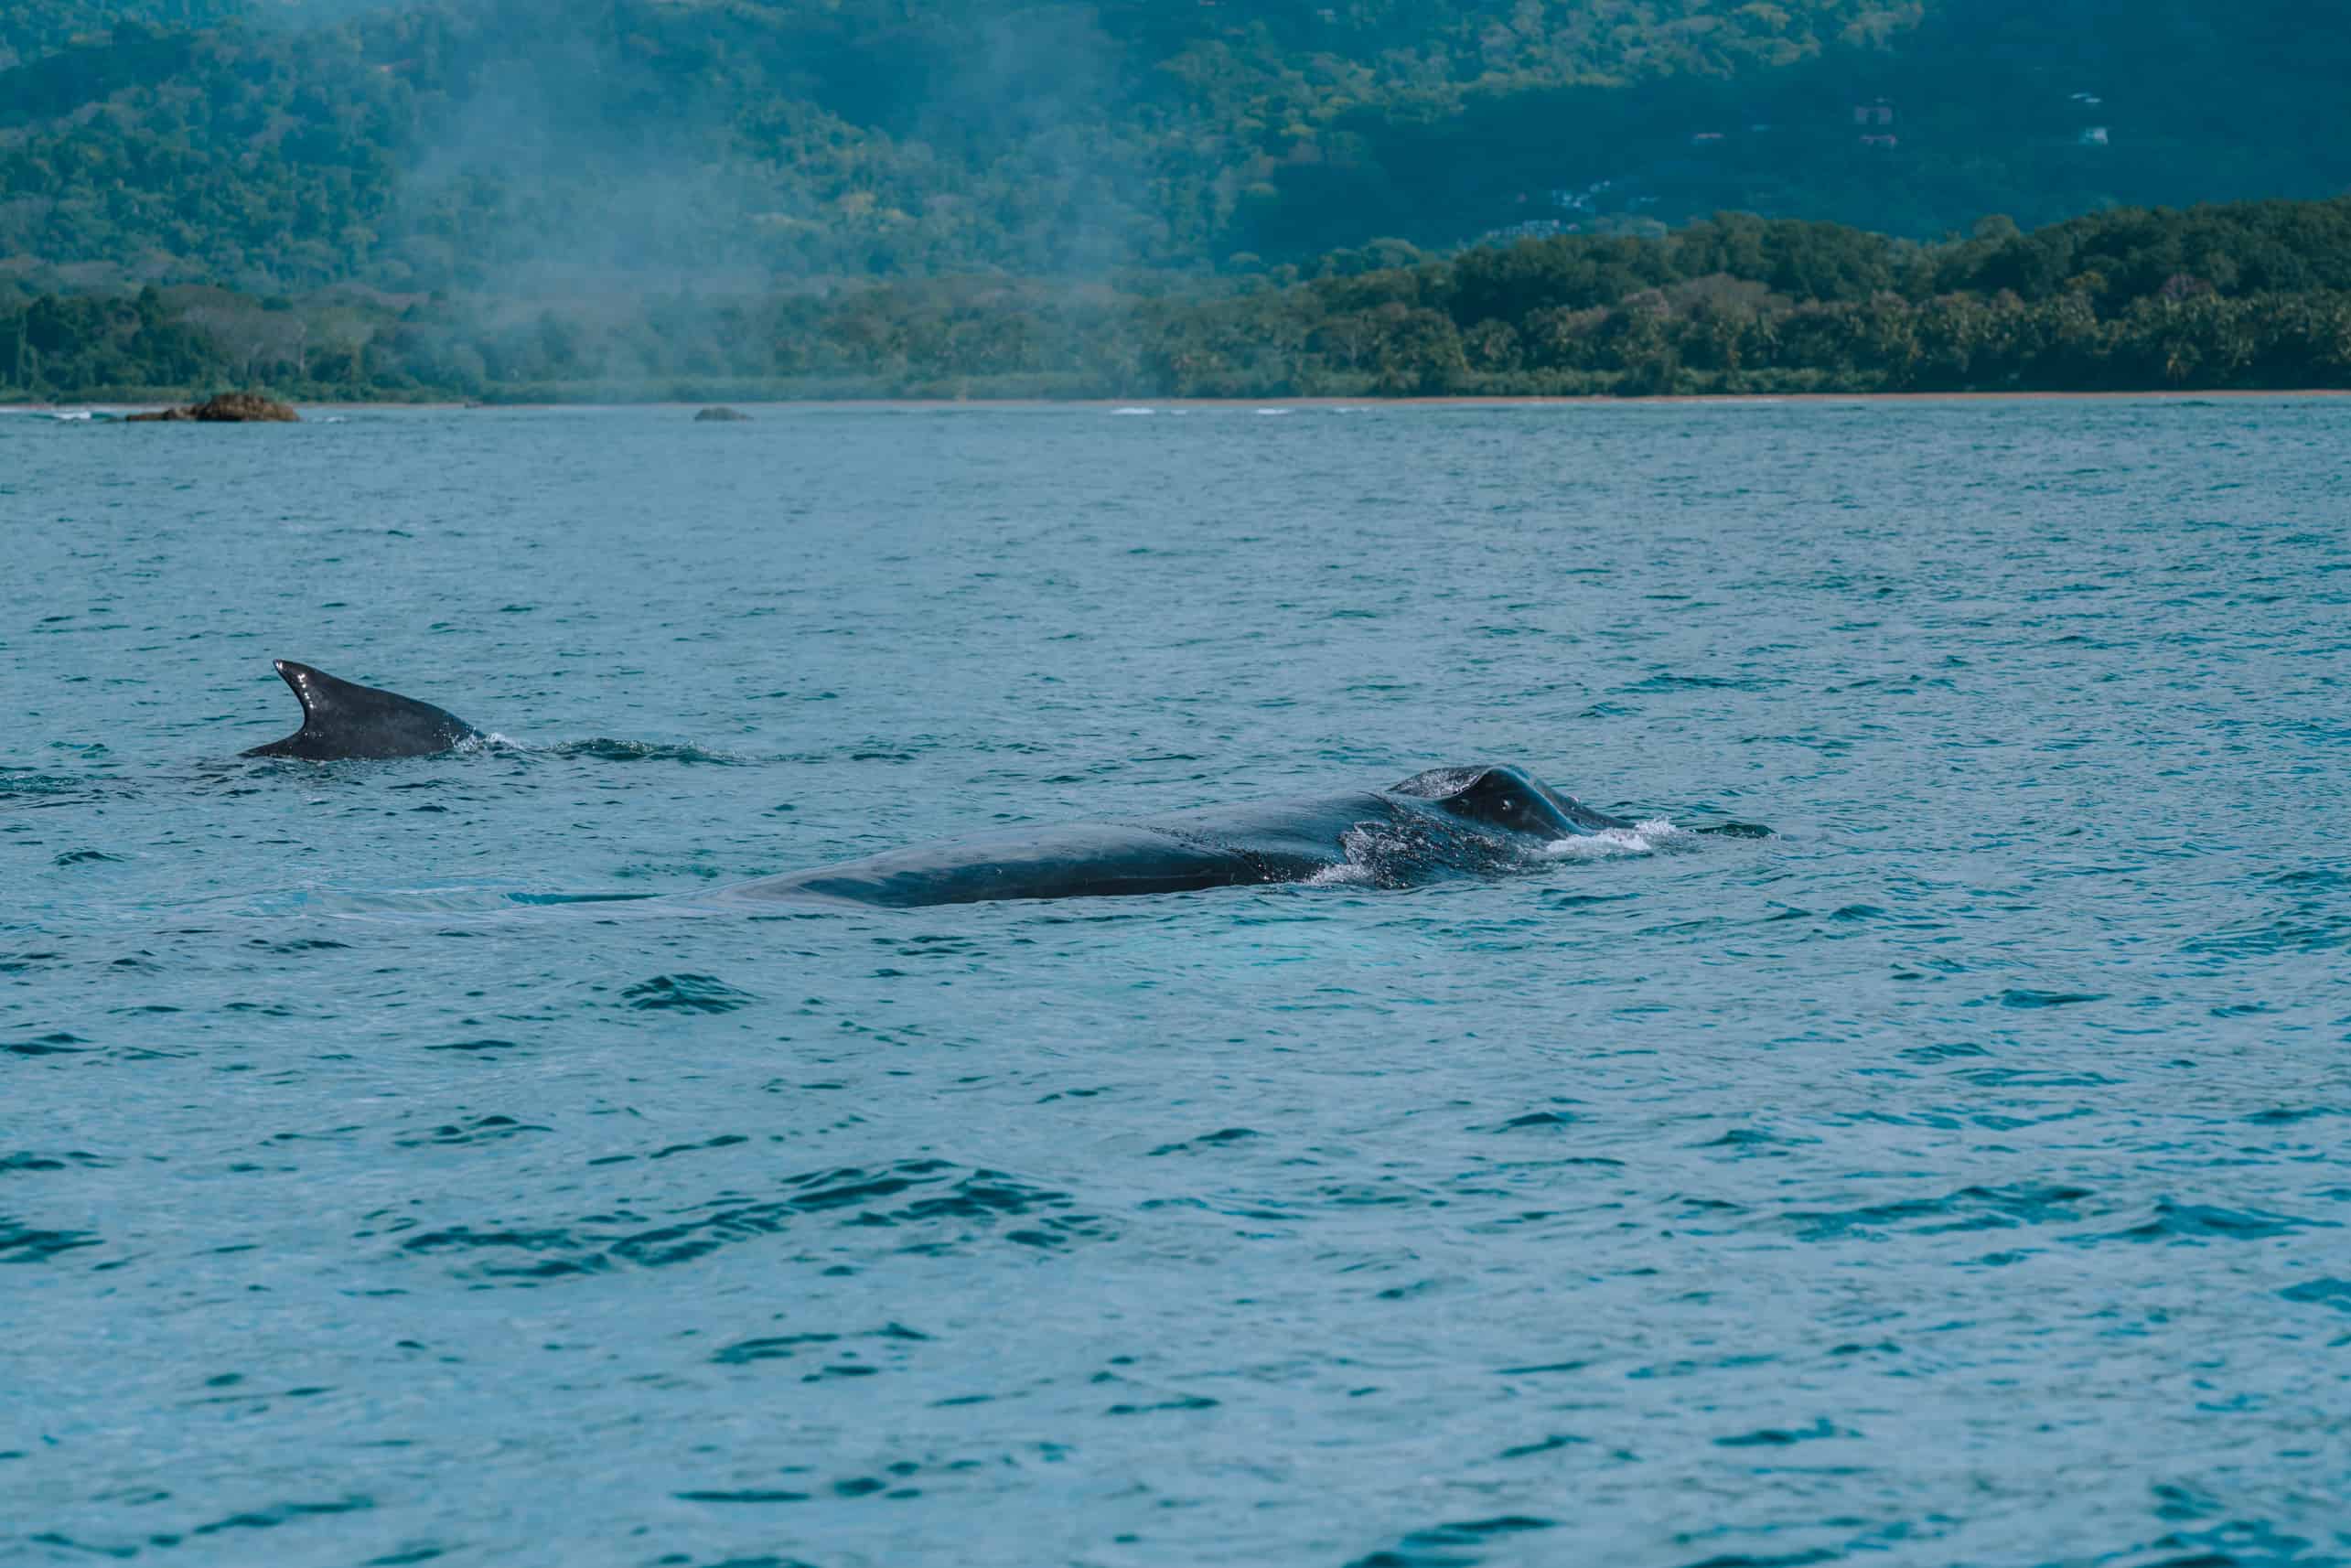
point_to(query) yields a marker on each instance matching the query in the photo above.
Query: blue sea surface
(417, 1161)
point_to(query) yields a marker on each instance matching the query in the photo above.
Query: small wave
(474, 905)
(605, 749)
(1275, 412)
(2177, 1222)
(555, 899)
(21, 1243)
(22, 789)
(1467, 1540)
(1133, 410)
(936, 1208)
(28, 1161)
(686, 993)
(57, 1043)
(2025, 998)
(2328, 1292)
(1670, 683)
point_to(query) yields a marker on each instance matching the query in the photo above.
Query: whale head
(341, 719)
(1507, 798)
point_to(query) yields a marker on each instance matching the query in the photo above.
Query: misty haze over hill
(536, 145)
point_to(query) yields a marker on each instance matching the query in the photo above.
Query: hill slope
(560, 144)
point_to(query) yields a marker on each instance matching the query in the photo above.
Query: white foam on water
(1642, 838)
(1275, 412)
(1345, 874)
(69, 414)
(1134, 411)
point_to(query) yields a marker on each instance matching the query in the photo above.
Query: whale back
(342, 719)
(1446, 823)
(1083, 860)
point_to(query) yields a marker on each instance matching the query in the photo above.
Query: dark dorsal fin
(341, 719)
(1507, 797)
(1439, 783)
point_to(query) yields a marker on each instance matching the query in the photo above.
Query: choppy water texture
(1957, 1177)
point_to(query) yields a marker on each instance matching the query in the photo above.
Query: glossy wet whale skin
(343, 720)
(1447, 822)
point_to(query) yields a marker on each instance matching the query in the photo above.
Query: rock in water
(720, 416)
(245, 408)
(228, 408)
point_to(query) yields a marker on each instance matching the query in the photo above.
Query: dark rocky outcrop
(720, 416)
(228, 408)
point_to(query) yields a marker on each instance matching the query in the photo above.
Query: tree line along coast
(2243, 295)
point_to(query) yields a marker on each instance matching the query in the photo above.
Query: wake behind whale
(1447, 822)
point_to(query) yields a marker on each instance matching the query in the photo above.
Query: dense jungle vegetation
(519, 199)
(2252, 294)
(533, 148)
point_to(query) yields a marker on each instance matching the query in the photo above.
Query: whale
(343, 720)
(1444, 824)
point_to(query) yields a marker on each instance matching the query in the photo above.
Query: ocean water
(417, 1161)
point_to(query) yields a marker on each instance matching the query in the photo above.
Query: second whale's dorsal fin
(341, 719)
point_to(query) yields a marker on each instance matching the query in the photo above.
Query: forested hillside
(2251, 296)
(570, 147)
(31, 29)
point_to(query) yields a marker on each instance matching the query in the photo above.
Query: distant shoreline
(1730, 399)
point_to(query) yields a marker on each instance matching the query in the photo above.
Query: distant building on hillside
(1532, 229)
(1878, 112)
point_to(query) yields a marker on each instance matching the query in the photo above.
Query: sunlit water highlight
(426, 1161)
